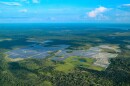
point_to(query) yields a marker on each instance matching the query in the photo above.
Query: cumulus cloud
(35, 1)
(11, 3)
(23, 10)
(97, 11)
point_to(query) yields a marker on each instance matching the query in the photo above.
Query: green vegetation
(46, 83)
(66, 67)
(73, 62)
(40, 72)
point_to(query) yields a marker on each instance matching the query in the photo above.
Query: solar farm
(61, 53)
(34, 51)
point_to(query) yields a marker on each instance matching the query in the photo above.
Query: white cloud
(23, 10)
(126, 5)
(97, 11)
(35, 1)
(11, 3)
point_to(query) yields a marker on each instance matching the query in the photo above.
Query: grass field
(75, 61)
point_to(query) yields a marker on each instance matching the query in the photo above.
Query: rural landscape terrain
(65, 54)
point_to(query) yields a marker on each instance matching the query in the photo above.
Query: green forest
(41, 72)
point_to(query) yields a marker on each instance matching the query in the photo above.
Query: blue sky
(54, 11)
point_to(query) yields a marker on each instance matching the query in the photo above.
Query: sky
(64, 11)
